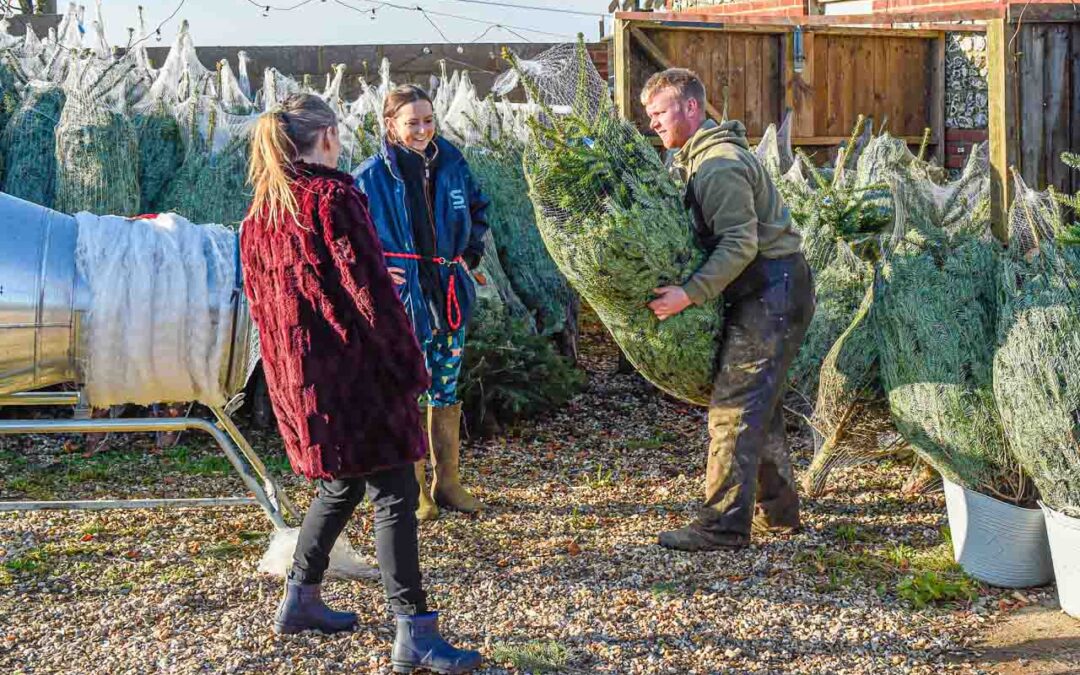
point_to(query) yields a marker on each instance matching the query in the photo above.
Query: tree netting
(161, 151)
(360, 125)
(211, 184)
(840, 287)
(936, 317)
(495, 298)
(29, 144)
(531, 272)
(491, 134)
(96, 144)
(9, 95)
(842, 217)
(1036, 376)
(613, 220)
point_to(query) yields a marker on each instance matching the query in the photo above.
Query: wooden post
(937, 98)
(623, 95)
(1003, 140)
(802, 92)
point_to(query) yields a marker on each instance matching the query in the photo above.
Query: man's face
(673, 119)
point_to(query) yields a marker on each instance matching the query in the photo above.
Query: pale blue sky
(238, 22)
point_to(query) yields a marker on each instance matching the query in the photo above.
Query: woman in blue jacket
(429, 214)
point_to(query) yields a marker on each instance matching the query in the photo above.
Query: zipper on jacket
(430, 205)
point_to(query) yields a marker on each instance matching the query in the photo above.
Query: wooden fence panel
(745, 66)
(1034, 103)
(884, 74)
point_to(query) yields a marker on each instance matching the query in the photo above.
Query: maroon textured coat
(342, 366)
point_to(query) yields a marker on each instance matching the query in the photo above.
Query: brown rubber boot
(445, 450)
(427, 510)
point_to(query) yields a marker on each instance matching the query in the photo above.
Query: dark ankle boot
(694, 538)
(302, 609)
(419, 645)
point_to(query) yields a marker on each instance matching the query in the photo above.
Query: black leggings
(395, 494)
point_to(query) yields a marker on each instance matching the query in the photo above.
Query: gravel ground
(561, 574)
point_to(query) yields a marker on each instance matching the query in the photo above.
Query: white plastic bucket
(998, 543)
(1064, 534)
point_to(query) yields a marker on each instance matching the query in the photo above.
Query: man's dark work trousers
(395, 494)
(766, 313)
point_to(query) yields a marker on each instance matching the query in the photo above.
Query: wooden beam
(803, 90)
(1039, 12)
(808, 141)
(787, 71)
(658, 57)
(623, 97)
(937, 98)
(777, 25)
(699, 27)
(992, 9)
(1003, 150)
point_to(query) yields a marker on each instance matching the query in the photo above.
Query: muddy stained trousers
(767, 311)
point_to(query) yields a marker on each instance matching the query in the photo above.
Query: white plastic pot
(1064, 534)
(998, 543)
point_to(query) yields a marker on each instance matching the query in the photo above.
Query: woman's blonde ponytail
(272, 152)
(280, 136)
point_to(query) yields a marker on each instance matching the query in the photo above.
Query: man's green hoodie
(737, 209)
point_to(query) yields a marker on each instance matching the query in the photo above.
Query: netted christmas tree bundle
(161, 151)
(230, 91)
(862, 209)
(96, 147)
(1036, 371)
(936, 317)
(182, 75)
(492, 135)
(360, 128)
(842, 218)
(211, 184)
(614, 222)
(9, 95)
(845, 420)
(840, 287)
(496, 299)
(29, 144)
(517, 243)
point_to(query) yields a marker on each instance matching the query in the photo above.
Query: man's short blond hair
(685, 82)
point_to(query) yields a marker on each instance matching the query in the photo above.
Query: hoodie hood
(709, 138)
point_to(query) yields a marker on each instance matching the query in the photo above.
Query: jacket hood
(711, 135)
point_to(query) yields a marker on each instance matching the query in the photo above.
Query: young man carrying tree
(755, 262)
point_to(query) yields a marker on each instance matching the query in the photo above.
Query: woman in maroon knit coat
(344, 373)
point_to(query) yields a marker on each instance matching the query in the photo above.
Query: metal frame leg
(274, 491)
(8, 427)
